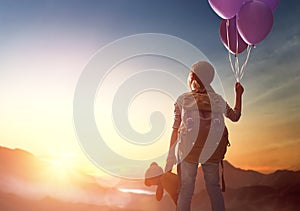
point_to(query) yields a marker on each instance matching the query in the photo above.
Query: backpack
(202, 134)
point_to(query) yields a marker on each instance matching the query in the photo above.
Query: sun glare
(66, 160)
(136, 191)
(61, 169)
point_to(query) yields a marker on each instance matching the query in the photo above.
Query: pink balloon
(254, 21)
(232, 32)
(226, 9)
(273, 4)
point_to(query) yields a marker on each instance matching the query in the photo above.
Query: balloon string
(246, 61)
(238, 72)
(237, 40)
(237, 65)
(229, 54)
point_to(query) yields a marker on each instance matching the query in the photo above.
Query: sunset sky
(45, 45)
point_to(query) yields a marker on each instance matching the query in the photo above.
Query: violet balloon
(226, 9)
(233, 36)
(254, 21)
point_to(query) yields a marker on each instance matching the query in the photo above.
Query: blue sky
(46, 44)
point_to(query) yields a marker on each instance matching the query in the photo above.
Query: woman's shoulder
(182, 96)
(216, 97)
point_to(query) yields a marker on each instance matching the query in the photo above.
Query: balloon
(273, 4)
(226, 9)
(254, 21)
(232, 32)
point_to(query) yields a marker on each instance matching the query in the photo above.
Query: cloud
(275, 90)
(291, 44)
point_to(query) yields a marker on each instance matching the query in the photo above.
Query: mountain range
(28, 183)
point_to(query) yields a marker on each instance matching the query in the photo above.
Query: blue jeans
(188, 176)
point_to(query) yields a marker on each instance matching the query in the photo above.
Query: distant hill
(21, 166)
(19, 163)
(27, 183)
(237, 177)
(12, 202)
(249, 190)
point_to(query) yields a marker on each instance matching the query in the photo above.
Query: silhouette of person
(200, 77)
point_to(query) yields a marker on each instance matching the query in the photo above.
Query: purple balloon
(226, 9)
(273, 4)
(254, 21)
(232, 32)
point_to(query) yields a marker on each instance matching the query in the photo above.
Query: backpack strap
(223, 180)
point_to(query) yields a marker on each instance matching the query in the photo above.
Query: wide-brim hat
(204, 71)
